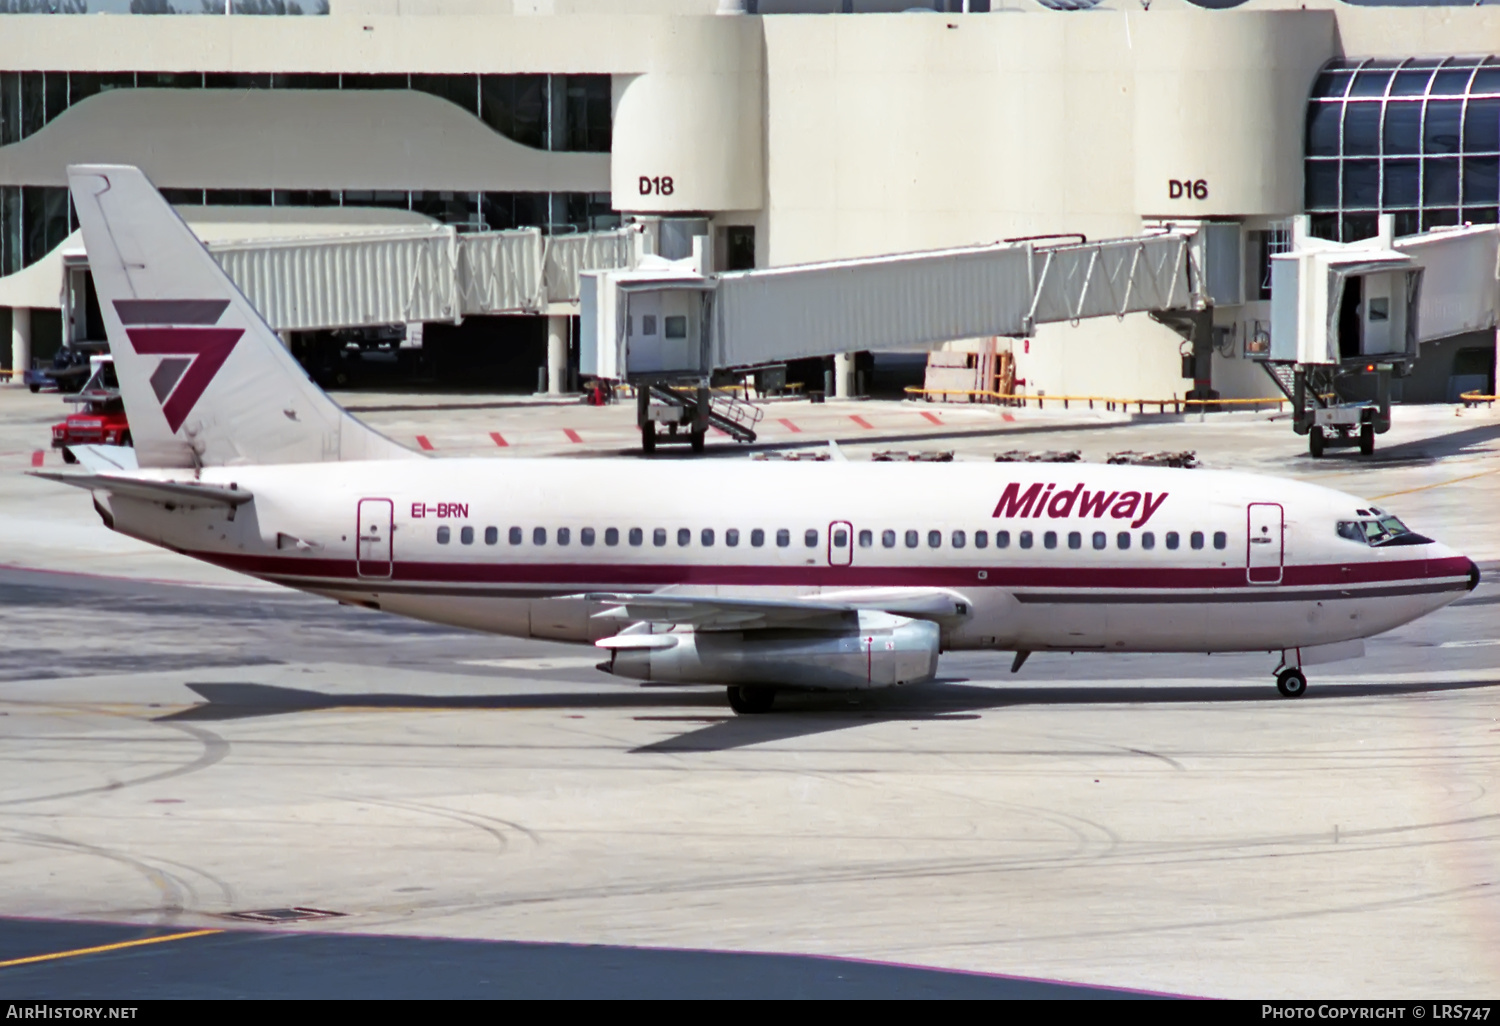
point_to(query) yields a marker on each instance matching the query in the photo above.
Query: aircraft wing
(821, 612)
(179, 493)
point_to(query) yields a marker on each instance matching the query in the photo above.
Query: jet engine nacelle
(887, 650)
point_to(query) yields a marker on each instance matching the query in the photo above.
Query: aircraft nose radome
(1473, 575)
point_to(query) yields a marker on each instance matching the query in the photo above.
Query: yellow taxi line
(106, 947)
(1439, 484)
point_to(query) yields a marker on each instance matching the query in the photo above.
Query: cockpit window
(1380, 530)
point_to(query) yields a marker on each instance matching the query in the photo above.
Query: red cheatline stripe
(789, 426)
(498, 439)
(423, 442)
(931, 416)
(860, 421)
(572, 435)
(37, 458)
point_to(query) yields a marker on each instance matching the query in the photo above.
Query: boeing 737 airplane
(760, 576)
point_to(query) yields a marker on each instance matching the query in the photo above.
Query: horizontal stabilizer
(178, 493)
(105, 458)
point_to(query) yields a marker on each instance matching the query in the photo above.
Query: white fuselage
(1102, 558)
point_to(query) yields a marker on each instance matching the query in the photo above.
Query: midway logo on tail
(183, 331)
(1041, 501)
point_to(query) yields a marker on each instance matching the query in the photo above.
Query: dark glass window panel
(44, 220)
(1450, 83)
(169, 80)
(1486, 80)
(1370, 83)
(1323, 129)
(1411, 83)
(1481, 181)
(83, 84)
(587, 114)
(1403, 128)
(1480, 215)
(447, 207)
(392, 198)
(1360, 226)
(1439, 218)
(235, 80)
(1408, 222)
(1331, 84)
(1440, 132)
(1362, 130)
(304, 198)
(10, 229)
(55, 90)
(1322, 184)
(1361, 183)
(33, 102)
(1324, 226)
(1439, 183)
(587, 211)
(516, 107)
(304, 80)
(374, 81)
(461, 90)
(237, 197)
(183, 197)
(1482, 127)
(501, 210)
(1403, 183)
(10, 107)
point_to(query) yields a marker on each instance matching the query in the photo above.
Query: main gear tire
(751, 698)
(1291, 683)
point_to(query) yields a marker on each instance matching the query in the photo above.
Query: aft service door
(1264, 545)
(840, 543)
(373, 554)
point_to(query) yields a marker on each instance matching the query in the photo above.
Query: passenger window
(706, 537)
(934, 539)
(466, 535)
(757, 537)
(959, 540)
(1196, 539)
(1122, 540)
(866, 539)
(1221, 540)
(539, 536)
(783, 538)
(659, 537)
(810, 539)
(637, 536)
(1075, 540)
(1002, 539)
(676, 326)
(912, 539)
(564, 535)
(443, 535)
(586, 536)
(1100, 539)
(1148, 540)
(515, 536)
(840, 538)
(611, 536)
(888, 539)
(1024, 539)
(981, 539)
(732, 537)
(1172, 540)
(1050, 539)
(491, 535)
(684, 536)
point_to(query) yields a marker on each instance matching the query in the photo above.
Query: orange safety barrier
(1109, 402)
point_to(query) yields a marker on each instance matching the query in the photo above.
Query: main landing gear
(751, 698)
(1291, 683)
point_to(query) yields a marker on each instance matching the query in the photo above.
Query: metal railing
(1109, 403)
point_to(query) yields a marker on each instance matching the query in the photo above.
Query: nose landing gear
(1291, 683)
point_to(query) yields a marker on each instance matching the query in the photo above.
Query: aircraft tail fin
(205, 380)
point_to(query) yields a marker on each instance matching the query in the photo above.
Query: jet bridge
(674, 323)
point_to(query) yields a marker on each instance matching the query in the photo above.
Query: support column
(557, 355)
(843, 376)
(20, 341)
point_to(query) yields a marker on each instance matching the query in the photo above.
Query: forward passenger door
(1265, 543)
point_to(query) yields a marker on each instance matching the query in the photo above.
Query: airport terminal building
(787, 131)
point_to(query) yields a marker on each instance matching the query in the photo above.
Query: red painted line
(572, 435)
(1008, 417)
(498, 439)
(37, 457)
(860, 421)
(424, 443)
(718, 431)
(931, 416)
(793, 428)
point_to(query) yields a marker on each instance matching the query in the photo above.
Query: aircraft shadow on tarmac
(797, 715)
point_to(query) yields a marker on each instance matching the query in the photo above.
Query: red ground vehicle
(100, 417)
